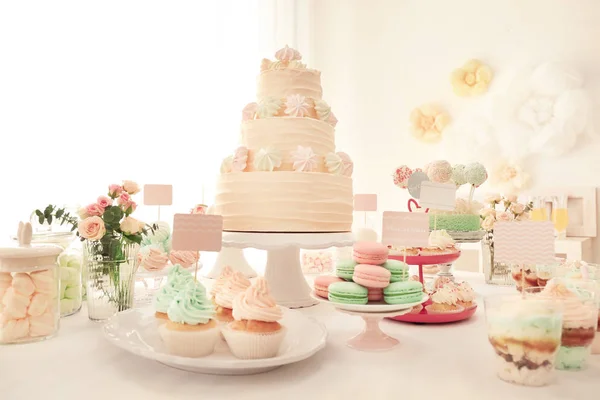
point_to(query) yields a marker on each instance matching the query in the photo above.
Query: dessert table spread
(453, 361)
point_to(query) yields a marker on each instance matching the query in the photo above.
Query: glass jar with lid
(29, 291)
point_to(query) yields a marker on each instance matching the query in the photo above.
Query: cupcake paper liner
(250, 345)
(189, 343)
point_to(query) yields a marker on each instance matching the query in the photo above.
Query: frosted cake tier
(281, 83)
(284, 202)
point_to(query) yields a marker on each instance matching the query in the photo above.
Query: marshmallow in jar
(29, 290)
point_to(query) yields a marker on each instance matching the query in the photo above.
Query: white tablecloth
(452, 361)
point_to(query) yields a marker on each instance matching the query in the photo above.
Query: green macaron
(345, 269)
(348, 293)
(403, 292)
(398, 269)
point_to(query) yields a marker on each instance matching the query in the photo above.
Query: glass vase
(495, 273)
(110, 264)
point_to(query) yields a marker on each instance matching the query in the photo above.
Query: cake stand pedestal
(234, 257)
(372, 338)
(283, 271)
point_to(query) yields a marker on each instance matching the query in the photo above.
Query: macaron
(322, 284)
(348, 293)
(371, 276)
(370, 253)
(375, 294)
(345, 269)
(398, 269)
(403, 292)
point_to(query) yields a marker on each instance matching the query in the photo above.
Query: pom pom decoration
(401, 175)
(476, 174)
(458, 175)
(439, 171)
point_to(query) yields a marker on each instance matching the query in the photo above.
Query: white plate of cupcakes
(239, 330)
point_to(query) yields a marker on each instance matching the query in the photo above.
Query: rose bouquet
(510, 210)
(111, 239)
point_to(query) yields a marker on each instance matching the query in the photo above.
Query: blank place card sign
(405, 229)
(197, 232)
(524, 242)
(438, 196)
(365, 202)
(158, 195)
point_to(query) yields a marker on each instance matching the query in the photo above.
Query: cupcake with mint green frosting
(190, 330)
(177, 279)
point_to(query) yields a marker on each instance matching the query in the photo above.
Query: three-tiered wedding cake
(286, 176)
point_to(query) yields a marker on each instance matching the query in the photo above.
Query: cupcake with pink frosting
(152, 258)
(256, 332)
(236, 284)
(220, 282)
(184, 258)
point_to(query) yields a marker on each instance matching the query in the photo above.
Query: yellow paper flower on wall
(427, 123)
(472, 79)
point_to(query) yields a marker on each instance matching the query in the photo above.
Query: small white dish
(136, 331)
(377, 307)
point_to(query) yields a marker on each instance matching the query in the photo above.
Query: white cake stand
(234, 257)
(283, 270)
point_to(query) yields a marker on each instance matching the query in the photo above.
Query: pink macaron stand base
(372, 338)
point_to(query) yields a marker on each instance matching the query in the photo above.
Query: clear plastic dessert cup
(525, 335)
(577, 300)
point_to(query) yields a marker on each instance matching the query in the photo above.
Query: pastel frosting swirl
(177, 279)
(153, 258)
(235, 285)
(447, 295)
(440, 239)
(191, 306)
(185, 258)
(576, 313)
(256, 304)
(221, 281)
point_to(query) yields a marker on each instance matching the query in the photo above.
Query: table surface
(454, 361)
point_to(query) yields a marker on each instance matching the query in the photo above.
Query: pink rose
(503, 216)
(91, 228)
(493, 198)
(94, 210)
(132, 207)
(488, 223)
(114, 190)
(124, 199)
(104, 201)
(517, 208)
(131, 187)
(512, 198)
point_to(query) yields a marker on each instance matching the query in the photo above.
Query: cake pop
(401, 175)
(439, 171)
(458, 174)
(476, 174)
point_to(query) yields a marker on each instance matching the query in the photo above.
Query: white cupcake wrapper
(189, 343)
(250, 345)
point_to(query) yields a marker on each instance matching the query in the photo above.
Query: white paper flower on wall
(548, 110)
(509, 177)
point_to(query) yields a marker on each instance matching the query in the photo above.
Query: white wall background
(382, 58)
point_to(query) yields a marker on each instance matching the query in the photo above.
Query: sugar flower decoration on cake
(288, 54)
(509, 177)
(249, 112)
(226, 164)
(427, 123)
(401, 175)
(267, 159)
(297, 105)
(323, 110)
(240, 157)
(471, 79)
(304, 159)
(347, 164)
(268, 107)
(439, 171)
(547, 108)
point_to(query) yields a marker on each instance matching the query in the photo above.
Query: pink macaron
(322, 284)
(370, 253)
(375, 294)
(371, 276)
